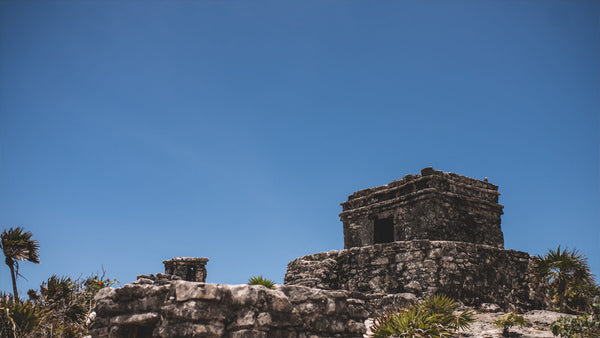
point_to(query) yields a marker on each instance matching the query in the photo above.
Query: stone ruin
(431, 206)
(429, 233)
(191, 269)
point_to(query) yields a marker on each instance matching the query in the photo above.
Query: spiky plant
(412, 322)
(57, 288)
(7, 325)
(69, 304)
(435, 318)
(62, 298)
(23, 316)
(259, 280)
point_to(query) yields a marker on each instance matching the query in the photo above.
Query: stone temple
(433, 205)
(433, 232)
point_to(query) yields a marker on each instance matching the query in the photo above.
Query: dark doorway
(384, 230)
(190, 274)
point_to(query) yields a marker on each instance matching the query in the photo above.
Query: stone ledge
(192, 309)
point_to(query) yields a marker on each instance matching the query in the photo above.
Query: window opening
(384, 230)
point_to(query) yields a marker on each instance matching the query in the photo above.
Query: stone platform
(471, 273)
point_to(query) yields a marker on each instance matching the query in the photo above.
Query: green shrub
(18, 318)
(435, 317)
(510, 320)
(62, 308)
(69, 303)
(259, 280)
(587, 325)
(7, 325)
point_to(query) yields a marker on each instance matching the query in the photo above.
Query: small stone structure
(192, 269)
(433, 205)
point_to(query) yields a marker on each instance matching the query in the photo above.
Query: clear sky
(136, 131)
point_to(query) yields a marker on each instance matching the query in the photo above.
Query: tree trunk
(561, 290)
(14, 281)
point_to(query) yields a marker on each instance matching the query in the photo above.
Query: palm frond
(17, 245)
(567, 271)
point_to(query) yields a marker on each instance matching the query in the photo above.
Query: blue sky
(135, 131)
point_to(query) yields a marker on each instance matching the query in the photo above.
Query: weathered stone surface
(160, 307)
(378, 303)
(543, 318)
(432, 205)
(489, 307)
(539, 328)
(141, 319)
(484, 327)
(471, 273)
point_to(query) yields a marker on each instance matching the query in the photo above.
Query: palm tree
(17, 245)
(564, 270)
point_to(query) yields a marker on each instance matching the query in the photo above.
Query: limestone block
(139, 319)
(190, 290)
(489, 307)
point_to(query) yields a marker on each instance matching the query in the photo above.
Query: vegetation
(510, 320)
(572, 287)
(587, 325)
(17, 318)
(17, 245)
(435, 317)
(63, 308)
(259, 280)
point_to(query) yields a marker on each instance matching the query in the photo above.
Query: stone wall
(432, 205)
(471, 273)
(164, 306)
